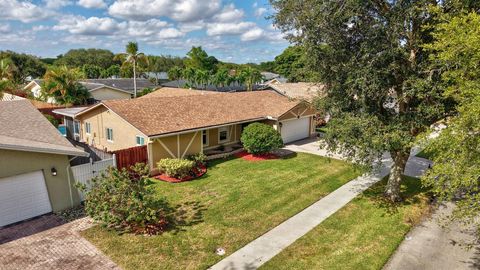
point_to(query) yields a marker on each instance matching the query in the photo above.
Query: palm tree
(202, 78)
(132, 56)
(175, 74)
(6, 76)
(189, 75)
(62, 84)
(251, 77)
(220, 78)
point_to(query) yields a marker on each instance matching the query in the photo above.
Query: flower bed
(259, 157)
(197, 172)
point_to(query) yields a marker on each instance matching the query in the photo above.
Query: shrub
(199, 158)
(258, 138)
(121, 200)
(177, 168)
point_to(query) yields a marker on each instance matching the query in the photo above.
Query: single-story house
(174, 123)
(101, 89)
(35, 177)
(270, 77)
(300, 90)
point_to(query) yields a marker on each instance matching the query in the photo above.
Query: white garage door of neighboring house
(23, 196)
(294, 130)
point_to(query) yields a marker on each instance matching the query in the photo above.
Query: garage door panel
(22, 197)
(296, 129)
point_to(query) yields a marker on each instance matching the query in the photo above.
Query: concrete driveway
(312, 146)
(47, 243)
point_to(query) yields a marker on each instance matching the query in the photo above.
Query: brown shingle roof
(22, 127)
(300, 90)
(177, 92)
(161, 115)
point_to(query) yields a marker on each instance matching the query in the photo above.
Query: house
(176, 124)
(70, 127)
(270, 77)
(299, 90)
(233, 87)
(101, 89)
(10, 97)
(35, 177)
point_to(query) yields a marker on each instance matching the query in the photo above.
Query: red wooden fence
(131, 156)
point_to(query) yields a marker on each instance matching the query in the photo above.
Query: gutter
(43, 150)
(208, 127)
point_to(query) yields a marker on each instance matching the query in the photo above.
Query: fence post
(114, 157)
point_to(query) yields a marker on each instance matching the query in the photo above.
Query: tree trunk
(392, 191)
(134, 80)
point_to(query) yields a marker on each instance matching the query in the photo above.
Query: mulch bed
(199, 172)
(251, 157)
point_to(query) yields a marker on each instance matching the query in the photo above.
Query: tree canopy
(80, 57)
(199, 59)
(23, 66)
(381, 91)
(456, 170)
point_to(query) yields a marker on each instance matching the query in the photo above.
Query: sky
(231, 30)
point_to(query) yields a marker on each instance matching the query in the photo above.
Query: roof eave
(43, 150)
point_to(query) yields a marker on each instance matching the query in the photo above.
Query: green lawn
(236, 202)
(362, 235)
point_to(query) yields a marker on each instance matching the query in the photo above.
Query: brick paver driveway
(47, 243)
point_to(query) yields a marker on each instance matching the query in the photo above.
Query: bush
(121, 200)
(258, 138)
(52, 120)
(177, 168)
(199, 158)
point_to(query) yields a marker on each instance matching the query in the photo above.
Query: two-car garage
(23, 196)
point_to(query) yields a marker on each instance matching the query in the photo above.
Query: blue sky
(233, 31)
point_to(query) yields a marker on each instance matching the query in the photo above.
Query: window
(205, 137)
(222, 134)
(88, 128)
(76, 127)
(140, 140)
(109, 134)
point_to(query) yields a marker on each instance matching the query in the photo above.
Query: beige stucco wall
(124, 134)
(175, 146)
(20, 162)
(234, 131)
(106, 93)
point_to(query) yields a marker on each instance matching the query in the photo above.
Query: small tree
(258, 138)
(121, 200)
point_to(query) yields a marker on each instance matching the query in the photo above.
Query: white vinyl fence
(85, 172)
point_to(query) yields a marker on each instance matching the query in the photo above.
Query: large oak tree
(381, 90)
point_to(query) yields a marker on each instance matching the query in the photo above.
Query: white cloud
(5, 28)
(170, 33)
(38, 28)
(192, 26)
(252, 34)
(56, 4)
(144, 28)
(180, 10)
(218, 29)
(92, 3)
(229, 14)
(92, 26)
(259, 12)
(22, 11)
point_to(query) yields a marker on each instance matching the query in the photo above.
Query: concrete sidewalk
(429, 246)
(262, 249)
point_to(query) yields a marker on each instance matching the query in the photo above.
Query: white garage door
(23, 196)
(294, 130)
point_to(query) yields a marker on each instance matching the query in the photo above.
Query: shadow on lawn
(183, 215)
(411, 189)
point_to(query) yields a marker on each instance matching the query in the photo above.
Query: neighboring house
(70, 127)
(299, 91)
(271, 77)
(10, 97)
(174, 123)
(101, 89)
(35, 177)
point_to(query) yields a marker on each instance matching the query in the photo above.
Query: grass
(236, 202)
(362, 235)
